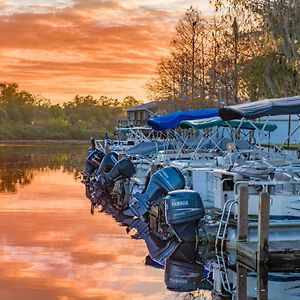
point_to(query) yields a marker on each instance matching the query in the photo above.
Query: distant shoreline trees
(249, 50)
(26, 116)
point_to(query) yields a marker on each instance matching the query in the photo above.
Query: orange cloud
(64, 48)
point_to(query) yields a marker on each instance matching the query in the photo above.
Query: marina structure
(222, 186)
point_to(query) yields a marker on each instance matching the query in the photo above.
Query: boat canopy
(217, 121)
(173, 120)
(258, 109)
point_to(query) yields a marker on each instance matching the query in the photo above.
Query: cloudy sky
(60, 48)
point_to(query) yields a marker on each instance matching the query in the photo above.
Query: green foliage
(26, 116)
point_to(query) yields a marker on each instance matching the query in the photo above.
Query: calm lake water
(51, 247)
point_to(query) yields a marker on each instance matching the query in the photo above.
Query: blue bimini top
(172, 120)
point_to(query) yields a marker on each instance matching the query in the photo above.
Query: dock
(283, 256)
(263, 256)
(278, 255)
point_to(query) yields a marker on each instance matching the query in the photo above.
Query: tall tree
(180, 75)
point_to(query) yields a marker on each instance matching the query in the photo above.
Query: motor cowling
(107, 163)
(93, 161)
(123, 168)
(184, 210)
(163, 181)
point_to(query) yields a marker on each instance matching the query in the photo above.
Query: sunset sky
(60, 48)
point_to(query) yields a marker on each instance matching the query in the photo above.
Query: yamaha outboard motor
(163, 181)
(184, 211)
(123, 168)
(159, 250)
(182, 272)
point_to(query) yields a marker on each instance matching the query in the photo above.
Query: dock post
(262, 282)
(263, 228)
(241, 281)
(242, 226)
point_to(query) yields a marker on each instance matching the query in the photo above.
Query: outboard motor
(184, 210)
(159, 250)
(182, 272)
(163, 181)
(123, 168)
(107, 163)
(104, 182)
(93, 161)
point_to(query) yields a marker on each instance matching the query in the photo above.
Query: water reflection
(19, 163)
(50, 245)
(52, 248)
(193, 271)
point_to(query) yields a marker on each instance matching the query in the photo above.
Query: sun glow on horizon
(62, 48)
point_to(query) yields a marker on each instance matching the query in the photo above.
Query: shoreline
(43, 142)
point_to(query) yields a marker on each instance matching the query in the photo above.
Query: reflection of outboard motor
(159, 250)
(161, 182)
(184, 209)
(150, 262)
(123, 168)
(93, 161)
(182, 272)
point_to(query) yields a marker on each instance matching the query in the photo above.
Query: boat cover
(257, 109)
(173, 120)
(217, 121)
(146, 148)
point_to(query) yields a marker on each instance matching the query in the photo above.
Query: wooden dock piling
(277, 255)
(242, 225)
(263, 228)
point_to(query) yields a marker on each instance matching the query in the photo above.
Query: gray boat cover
(147, 148)
(257, 109)
(253, 169)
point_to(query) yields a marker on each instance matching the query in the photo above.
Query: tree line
(249, 50)
(27, 116)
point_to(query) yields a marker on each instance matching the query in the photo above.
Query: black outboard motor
(163, 181)
(182, 272)
(93, 161)
(107, 163)
(184, 210)
(159, 250)
(123, 168)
